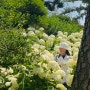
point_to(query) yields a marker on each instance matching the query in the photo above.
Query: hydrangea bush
(39, 71)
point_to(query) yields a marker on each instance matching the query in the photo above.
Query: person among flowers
(62, 58)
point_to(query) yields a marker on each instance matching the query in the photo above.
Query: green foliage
(85, 1)
(34, 7)
(13, 47)
(15, 12)
(59, 23)
(78, 9)
(40, 84)
(52, 4)
(67, 19)
(27, 13)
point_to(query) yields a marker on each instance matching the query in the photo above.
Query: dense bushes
(13, 47)
(27, 13)
(35, 69)
(59, 23)
(14, 12)
(27, 56)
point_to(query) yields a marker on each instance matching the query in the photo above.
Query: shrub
(14, 12)
(36, 70)
(55, 23)
(13, 47)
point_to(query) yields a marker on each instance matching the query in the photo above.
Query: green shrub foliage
(13, 47)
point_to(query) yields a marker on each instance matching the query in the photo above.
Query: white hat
(64, 45)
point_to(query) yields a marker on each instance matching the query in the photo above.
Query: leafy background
(29, 39)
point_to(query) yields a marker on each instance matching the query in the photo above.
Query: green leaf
(85, 1)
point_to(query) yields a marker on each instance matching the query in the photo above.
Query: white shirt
(63, 64)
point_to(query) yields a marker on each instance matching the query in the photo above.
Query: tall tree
(52, 5)
(20, 12)
(81, 79)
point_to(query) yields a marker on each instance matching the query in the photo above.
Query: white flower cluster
(11, 80)
(61, 87)
(48, 68)
(48, 46)
(5, 71)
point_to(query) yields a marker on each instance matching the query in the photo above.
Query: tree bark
(81, 79)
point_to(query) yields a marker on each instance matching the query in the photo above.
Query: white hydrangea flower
(75, 56)
(11, 88)
(23, 67)
(42, 47)
(45, 36)
(39, 71)
(66, 33)
(49, 43)
(61, 87)
(53, 65)
(74, 49)
(44, 65)
(56, 48)
(7, 84)
(31, 33)
(55, 77)
(36, 50)
(14, 83)
(42, 42)
(42, 29)
(11, 78)
(24, 34)
(69, 79)
(37, 32)
(60, 72)
(69, 70)
(60, 33)
(31, 29)
(37, 46)
(81, 33)
(59, 38)
(10, 70)
(52, 36)
(71, 63)
(3, 71)
(47, 56)
(50, 39)
(64, 36)
(63, 40)
(28, 54)
(77, 44)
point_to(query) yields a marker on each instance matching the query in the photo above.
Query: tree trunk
(81, 79)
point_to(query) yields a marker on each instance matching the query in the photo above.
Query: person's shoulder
(56, 57)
